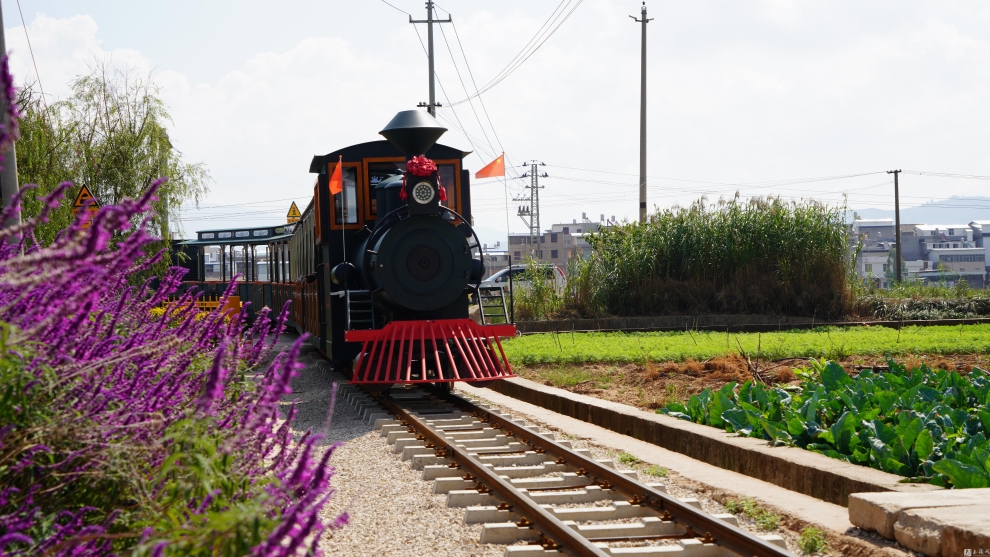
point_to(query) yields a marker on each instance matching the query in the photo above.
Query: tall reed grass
(764, 255)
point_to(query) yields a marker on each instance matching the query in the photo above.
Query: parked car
(522, 279)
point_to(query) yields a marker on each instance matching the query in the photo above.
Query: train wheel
(445, 387)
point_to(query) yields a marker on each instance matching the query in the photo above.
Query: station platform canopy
(242, 236)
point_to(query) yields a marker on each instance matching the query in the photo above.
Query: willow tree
(111, 135)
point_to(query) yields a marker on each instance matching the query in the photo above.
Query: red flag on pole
(494, 168)
(337, 180)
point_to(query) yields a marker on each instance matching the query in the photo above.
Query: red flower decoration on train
(421, 166)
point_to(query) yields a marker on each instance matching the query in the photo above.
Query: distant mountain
(955, 210)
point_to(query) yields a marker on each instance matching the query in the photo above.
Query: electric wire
(33, 61)
(464, 86)
(239, 204)
(946, 175)
(442, 90)
(475, 85)
(393, 7)
(523, 54)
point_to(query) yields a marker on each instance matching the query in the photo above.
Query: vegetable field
(923, 424)
(830, 343)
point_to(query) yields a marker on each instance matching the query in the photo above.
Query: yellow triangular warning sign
(294, 214)
(82, 199)
(83, 196)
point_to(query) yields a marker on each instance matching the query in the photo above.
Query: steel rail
(551, 526)
(731, 537)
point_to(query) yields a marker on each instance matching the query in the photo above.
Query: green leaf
(884, 432)
(894, 467)
(835, 454)
(739, 420)
(729, 390)
(886, 400)
(720, 403)
(923, 445)
(776, 431)
(834, 377)
(695, 409)
(985, 420)
(810, 408)
(909, 432)
(843, 430)
(795, 426)
(962, 475)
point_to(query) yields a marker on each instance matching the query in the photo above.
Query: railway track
(538, 495)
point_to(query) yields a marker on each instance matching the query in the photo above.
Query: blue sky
(744, 96)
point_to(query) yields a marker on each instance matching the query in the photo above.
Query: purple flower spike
(214, 382)
(131, 404)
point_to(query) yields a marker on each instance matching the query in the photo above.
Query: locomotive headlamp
(423, 192)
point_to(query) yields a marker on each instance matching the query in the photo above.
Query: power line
(442, 89)
(947, 175)
(31, 51)
(461, 79)
(734, 184)
(523, 54)
(241, 204)
(480, 100)
(393, 7)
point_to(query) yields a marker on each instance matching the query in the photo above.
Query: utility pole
(642, 117)
(897, 225)
(431, 107)
(531, 215)
(8, 176)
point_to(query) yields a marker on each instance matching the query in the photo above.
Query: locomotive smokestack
(413, 132)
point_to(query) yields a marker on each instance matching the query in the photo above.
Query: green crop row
(924, 424)
(833, 343)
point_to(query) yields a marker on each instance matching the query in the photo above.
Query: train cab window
(350, 193)
(449, 179)
(377, 171)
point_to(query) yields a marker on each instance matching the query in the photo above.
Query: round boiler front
(421, 263)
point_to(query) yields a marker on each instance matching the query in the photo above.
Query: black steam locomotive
(381, 271)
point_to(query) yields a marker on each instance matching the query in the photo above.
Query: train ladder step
(360, 309)
(491, 304)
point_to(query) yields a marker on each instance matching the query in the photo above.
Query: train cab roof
(376, 149)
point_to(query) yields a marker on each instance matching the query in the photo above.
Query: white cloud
(63, 49)
(742, 93)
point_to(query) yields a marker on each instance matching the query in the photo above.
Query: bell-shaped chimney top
(413, 132)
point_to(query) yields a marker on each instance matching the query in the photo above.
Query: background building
(945, 253)
(557, 245)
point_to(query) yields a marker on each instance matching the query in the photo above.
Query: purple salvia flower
(342, 520)
(214, 382)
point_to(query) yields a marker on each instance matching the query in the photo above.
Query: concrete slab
(879, 512)
(946, 531)
(803, 507)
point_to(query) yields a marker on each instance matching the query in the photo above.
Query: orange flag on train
(494, 168)
(337, 180)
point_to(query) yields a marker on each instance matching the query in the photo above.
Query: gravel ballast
(392, 510)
